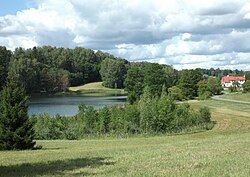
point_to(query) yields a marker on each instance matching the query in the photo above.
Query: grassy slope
(238, 96)
(223, 151)
(96, 89)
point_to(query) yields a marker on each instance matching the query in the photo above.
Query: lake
(68, 105)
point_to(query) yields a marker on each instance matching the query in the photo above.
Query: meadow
(95, 89)
(222, 151)
(238, 96)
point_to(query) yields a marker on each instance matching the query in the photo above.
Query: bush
(232, 89)
(149, 116)
(204, 96)
(175, 93)
(246, 86)
(205, 115)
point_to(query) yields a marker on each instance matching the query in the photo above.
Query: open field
(96, 89)
(237, 96)
(222, 151)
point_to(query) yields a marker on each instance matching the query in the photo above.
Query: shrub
(132, 117)
(175, 93)
(232, 89)
(104, 120)
(205, 115)
(246, 86)
(204, 96)
(150, 115)
(89, 116)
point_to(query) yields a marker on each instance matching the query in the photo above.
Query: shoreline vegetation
(150, 115)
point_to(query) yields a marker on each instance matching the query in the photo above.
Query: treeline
(49, 69)
(151, 115)
(180, 85)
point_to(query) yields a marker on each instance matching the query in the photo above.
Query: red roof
(225, 79)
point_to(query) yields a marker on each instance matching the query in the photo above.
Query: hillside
(222, 151)
(96, 89)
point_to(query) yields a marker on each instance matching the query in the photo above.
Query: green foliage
(151, 75)
(233, 88)
(151, 115)
(188, 82)
(16, 129)
(53, 80)
(147, 110)
(205, 95)
(214, 85)
(209, 87)
(175, 93)
(58, 127)
(247, 75)
(113, 73)
(205, 115)
(132, 117)
(41, 67)
(134, 83)
(4, 64)
(246, 86)
(154, 78)
(89, 116)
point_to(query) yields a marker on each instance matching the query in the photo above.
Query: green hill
(96, 89)
(222, 151)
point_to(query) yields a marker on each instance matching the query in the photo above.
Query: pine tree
(16, 129)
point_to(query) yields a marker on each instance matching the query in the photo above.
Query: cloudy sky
(182, 33)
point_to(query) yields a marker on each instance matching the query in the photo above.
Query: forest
(48, 70)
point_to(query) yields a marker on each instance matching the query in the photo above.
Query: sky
(183, 33)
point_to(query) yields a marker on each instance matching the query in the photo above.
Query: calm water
(68, 105)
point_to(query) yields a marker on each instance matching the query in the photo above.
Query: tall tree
(16, 129)
(188, 82)
(4, 64)
(134, 83)
(25, 71)
(113, 72)
(154, 78)
(214, 85)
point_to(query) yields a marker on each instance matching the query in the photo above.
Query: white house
(227, 81)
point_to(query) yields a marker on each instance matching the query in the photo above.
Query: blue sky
(182, 33)
(12, 6)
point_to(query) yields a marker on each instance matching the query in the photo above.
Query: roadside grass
(237, 96)
(222, 151)
(95, 89)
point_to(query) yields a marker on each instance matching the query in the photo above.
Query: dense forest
(48, 70)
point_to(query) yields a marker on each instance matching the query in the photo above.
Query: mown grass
(95, 89)
(222, 151)
(237, 96)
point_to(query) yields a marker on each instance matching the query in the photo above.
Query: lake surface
(68, 105)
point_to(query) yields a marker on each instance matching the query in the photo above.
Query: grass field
(222, 151)
(238, 96)
(95, 89)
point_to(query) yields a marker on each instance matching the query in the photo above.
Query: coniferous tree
(16, 129)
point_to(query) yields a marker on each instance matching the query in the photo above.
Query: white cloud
(185, 33)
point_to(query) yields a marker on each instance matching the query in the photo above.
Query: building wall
(229, 84)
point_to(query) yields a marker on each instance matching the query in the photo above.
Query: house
(227, 81)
